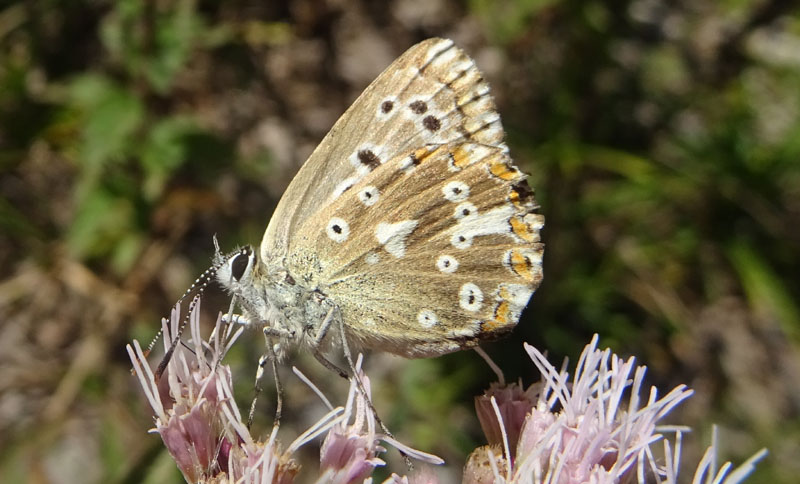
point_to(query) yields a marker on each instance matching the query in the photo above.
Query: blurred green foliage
(663, 142)
(127, 151)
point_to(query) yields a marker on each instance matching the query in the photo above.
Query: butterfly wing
(410, 216)
(435, 251)
(433, 93)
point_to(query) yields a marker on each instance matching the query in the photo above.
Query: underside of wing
(432, 94)
(435, 251)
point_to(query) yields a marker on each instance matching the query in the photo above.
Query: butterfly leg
(270, 356)
(349, 357)
(235, 319)
(323, 331)
(324, 327)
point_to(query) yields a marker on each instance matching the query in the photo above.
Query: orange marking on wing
(421, 154)
(521, 229)
(521, 265)
(461, 157)
(502, 313)
(503, 171)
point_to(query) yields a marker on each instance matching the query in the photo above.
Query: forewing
(432, 94)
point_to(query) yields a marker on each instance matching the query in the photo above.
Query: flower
(591, 428)
(199, 422)
(350, 451)
(514, 404)
(196, 414)
(584, 430)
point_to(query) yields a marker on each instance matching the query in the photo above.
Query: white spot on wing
(482, 89)
(393, 236)
(447, 264)
(427, 318)
(493, 132)
(461, 241)
(458, 72)
(411, 72)
(407, 164)
(536, 221)
(373, 258)
(487, 127)
(456, 191)
(338, 230)
(494, 221)
(470, 297)
(464, 210)
(519, 294)
(369, 195)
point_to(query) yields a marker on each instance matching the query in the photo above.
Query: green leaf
(177, 32)
(152, 41)
(164, 151)
(112, 116)
(104, 223)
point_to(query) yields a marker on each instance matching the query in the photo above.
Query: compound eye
(239, 265)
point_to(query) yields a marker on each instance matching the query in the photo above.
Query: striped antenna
(198, 285)
(177, 339)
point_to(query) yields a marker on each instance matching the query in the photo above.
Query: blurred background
(662, 139)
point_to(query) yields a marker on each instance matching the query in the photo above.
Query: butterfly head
(235, 271)
(241, 273)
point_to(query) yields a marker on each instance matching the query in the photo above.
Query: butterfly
(409, 227)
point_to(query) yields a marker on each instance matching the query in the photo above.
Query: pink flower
(350, 451)
(592, 427)
(200, 424)
(195, 412)
(514, 404)
(581, 431)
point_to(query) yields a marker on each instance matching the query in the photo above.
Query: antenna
(177, 339)
(199, 284)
